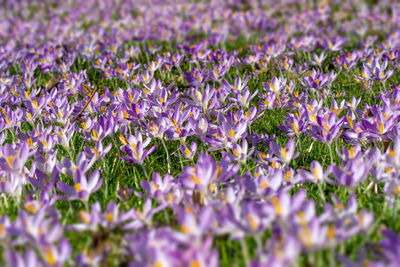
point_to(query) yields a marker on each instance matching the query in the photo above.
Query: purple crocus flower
(316, 80)
(164, 100)
(56, 256)
(82, 163)
(83, 187)
(285, 154)
(37, 228)
(318, 59)
(143, 217)
(201, 177)
(351, 174)
(390, 247)
(283, 251)
(90, 220)
(98, 151)
(238, 86)
(327, 128)
(316, 174)
(138, 154)
(376, 70)
(195, 225)
(29, 258)
(294, 124)
(313, 235)
(188, 152)
(243, 98)
(159, 188)
(276, 85)
(333, 44)
(392, 156)
(197, 78)
(203, 99)
(87, 258)
(14, 158)
(240, 153)
(265, 184)
(381, 124)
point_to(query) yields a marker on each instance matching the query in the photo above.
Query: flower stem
(321, 192)
(168, 158)
(144, 171)
(166, 217)
(332, 257)
(330, 152)
(180, 158)
(5, 201)
(245, 251)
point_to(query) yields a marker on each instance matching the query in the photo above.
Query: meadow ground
(199, 133)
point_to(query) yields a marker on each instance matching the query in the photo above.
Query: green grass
(118, 173)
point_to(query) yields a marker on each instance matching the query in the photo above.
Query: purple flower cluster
(165, 94)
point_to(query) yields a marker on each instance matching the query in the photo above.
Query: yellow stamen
(109, 217)
(195, 179)
(331, 233)
(78, 187)
(277, 205)
(49, 257)
(9, 160)
(316, 173)
(252, 221)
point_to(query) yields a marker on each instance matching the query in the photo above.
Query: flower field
(199, 133)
